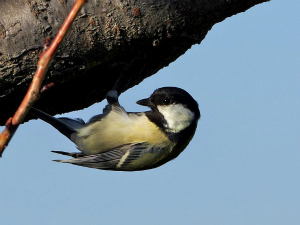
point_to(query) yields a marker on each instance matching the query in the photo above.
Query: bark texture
(106, 37)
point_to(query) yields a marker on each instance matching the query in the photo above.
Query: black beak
(144, 102)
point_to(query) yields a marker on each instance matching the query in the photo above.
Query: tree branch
(33, 92)
(107, 36)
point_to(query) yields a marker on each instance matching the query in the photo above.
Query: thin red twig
(34, 90)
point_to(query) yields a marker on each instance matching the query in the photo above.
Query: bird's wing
(118, 158)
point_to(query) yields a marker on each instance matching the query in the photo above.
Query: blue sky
(242, 167)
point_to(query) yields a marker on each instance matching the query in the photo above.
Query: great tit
(125, 141)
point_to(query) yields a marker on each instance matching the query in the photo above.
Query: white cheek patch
(177, 116)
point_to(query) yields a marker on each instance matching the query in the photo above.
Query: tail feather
(62, 127)
(61, 152)
(55, 160)
(72, 154)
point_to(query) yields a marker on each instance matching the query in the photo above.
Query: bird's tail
(57, 123)
(72, 154)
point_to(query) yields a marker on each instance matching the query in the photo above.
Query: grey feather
(61, 125)
(110, 159)
(75, 123)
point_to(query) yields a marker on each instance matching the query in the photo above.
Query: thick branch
(106, 36)
(33, 92)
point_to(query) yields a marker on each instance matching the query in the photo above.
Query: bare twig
(34, 90)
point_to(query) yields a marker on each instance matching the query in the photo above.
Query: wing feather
(118, 158)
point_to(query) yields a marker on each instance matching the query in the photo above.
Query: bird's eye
(167, 101)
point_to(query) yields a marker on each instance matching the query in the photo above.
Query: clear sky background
(241, 168)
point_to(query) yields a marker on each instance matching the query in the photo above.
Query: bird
(131, 141)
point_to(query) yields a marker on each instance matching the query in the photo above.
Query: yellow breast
(117, 129)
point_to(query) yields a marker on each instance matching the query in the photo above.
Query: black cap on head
(171, 95)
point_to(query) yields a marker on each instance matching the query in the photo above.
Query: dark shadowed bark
(104, 40)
